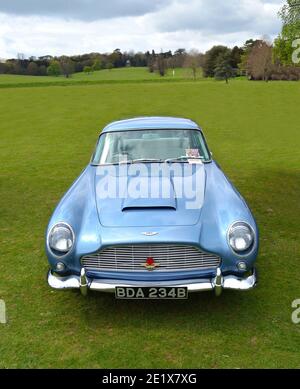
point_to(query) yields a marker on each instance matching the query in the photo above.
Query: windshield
(150, 145)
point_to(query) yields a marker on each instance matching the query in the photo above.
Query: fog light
(242, 266)
(60, 266)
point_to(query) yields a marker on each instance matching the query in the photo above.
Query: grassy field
(47, 137)
(102, 76)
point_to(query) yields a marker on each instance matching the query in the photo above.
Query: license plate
(153, 293)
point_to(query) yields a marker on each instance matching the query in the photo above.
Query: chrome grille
(166, 257)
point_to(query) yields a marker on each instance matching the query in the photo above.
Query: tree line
(257, 59)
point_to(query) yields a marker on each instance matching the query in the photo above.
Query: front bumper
(216, 284)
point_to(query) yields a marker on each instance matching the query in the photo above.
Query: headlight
(240, 236)
(61, 238)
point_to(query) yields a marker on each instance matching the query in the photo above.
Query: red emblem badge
(150, 264)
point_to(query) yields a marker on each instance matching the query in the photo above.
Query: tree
(3, 68)
(290, 12)
(54, 69)
(161, 64)
(223, 69)
(42, 71)
(32, 69)
(20, 65)
(193, 61)
(236, 57)
(9, 67)
(286, 43)
(116, 58)
(78, 67)
(151, 61)
(151, 64)
(136, 59)
(97, 65)
(283, 47)
(246, 49)
(179, 58)
(67, 66)
(109, 65)
(259, 64)
(17, 67)
(211, 57)
(87, 69)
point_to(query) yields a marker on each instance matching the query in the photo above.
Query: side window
(98, 150)
(198, 143)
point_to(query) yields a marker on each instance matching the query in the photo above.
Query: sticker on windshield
(192, 153)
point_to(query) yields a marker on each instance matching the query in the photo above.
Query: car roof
(151, 122)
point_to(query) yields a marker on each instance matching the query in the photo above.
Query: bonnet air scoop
(151, 204)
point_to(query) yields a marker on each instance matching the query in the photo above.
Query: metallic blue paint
(143, 123)
(162, 212)
(97, 225)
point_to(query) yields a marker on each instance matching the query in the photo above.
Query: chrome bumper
(217, 284)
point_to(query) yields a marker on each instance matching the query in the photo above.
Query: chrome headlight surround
(241, 238)
(60, 239)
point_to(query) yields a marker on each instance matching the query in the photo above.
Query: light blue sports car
(152, 216)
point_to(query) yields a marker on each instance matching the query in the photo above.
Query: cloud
(220, 16)
(40, 28)
(81, 9)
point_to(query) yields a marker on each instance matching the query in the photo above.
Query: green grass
(132, 74)
(139, 74)
(47, 137)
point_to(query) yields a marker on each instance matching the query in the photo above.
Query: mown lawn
(47, 137)
(137, 74)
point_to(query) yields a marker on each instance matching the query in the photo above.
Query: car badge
(150, 264)
(150, 233)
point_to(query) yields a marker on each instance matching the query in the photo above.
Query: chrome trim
(83, 282)
(67, 282)
(232, 282)
(47, 240)
(150, 233)
(171, 258)
(217, 283)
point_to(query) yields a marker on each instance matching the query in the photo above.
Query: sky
(57, 27)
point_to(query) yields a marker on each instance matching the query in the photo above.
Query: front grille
(166, 257)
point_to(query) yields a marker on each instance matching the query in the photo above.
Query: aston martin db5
(152, 216)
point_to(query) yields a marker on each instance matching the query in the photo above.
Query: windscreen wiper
(183, 158)
(141, 160)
